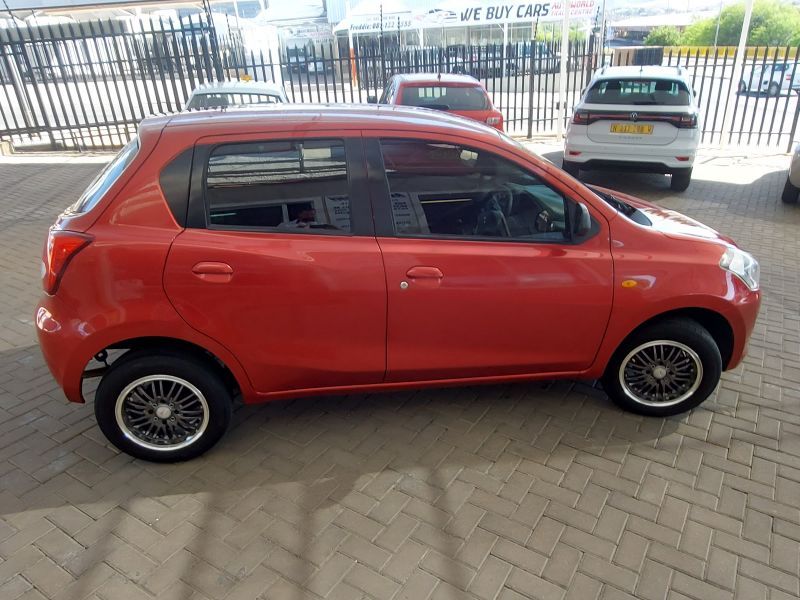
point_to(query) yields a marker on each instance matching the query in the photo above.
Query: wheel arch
(716, 324)
(164, 344)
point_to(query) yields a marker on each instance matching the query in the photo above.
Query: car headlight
(743, 265)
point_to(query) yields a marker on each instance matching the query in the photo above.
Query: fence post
(562, 83)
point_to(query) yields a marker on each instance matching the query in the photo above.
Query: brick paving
(523, 491)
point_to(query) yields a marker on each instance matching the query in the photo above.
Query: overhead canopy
(453, 13)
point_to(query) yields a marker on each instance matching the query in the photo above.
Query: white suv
(635, 118)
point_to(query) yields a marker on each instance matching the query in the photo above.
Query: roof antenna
(439, 76)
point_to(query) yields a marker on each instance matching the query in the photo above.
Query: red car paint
(399, 85)
(295, 314)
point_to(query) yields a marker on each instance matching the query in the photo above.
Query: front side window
(291, 186)
(446, 98)
(448, 190)
(640, 91)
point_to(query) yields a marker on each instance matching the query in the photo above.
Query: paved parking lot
(521, 491)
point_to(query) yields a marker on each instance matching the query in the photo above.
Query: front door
(282, 266)
(483, 276)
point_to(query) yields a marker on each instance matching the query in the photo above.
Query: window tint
(446, 98)
(639, 91)
(296, 186)
(106, 178)
(445, 190)
(202, 101)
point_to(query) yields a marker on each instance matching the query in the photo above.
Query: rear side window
(291, 186)
(101, 184)
(446, 98)
(639, 91)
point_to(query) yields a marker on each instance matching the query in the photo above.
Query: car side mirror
(583, 220)
(372, 99)
(694, 92)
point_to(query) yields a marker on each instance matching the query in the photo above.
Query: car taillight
(61, 247)
(495, 121)
(688, 121)
(581, 117)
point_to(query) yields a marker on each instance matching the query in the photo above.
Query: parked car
(303, 61)
(771, 79)
(223, 94)
(338, 249)
(641, 118)
(791, 190)
(457, 94)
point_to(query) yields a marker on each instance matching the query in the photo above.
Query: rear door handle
(214, 272)
(424, 273)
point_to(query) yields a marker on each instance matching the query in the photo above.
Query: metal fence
(86, 86)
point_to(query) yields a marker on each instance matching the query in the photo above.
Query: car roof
(239, 87)
(329, 117)
(437, 79)
(641, 71)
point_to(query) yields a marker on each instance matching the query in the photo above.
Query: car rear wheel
(680, 180)
(572, 168)
(664, 369)
(742, 87)
(162, 407)
(774, 89)
(790, 193)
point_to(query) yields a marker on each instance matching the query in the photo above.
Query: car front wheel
(680, 180)
(790, 193)
(162, 407)
(664, 369)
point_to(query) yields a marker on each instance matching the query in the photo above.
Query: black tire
(571, 168)
(774, 89)
(132, 367)
(688, 334)
(742, 87)
(680, 180)
(790, 193)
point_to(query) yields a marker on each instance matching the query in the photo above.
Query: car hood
(672, 223)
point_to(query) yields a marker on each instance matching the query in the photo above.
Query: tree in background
(665, 35)
(774, 23)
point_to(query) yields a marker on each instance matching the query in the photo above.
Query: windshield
(638, 91)
(446, 98)
(106, 178)
(217, 100)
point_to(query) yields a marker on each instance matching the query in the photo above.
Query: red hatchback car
(457, 94)
(290, 251)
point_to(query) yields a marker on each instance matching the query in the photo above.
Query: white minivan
(642, 118)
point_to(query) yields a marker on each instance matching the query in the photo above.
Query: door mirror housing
(583, 220)
(372, 99)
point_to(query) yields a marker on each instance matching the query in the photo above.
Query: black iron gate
(87, 85)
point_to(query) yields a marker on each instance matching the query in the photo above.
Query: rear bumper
(581, 150)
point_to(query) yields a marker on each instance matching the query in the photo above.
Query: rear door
(280, 263)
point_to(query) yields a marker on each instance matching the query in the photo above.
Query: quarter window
(292, 186)
(448, 190)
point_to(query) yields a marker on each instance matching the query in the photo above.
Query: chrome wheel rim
(162, 412)
(661, 373)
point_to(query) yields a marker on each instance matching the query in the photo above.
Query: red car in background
(457, 94)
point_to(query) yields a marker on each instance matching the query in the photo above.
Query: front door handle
(214, 272)
(424, 273)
